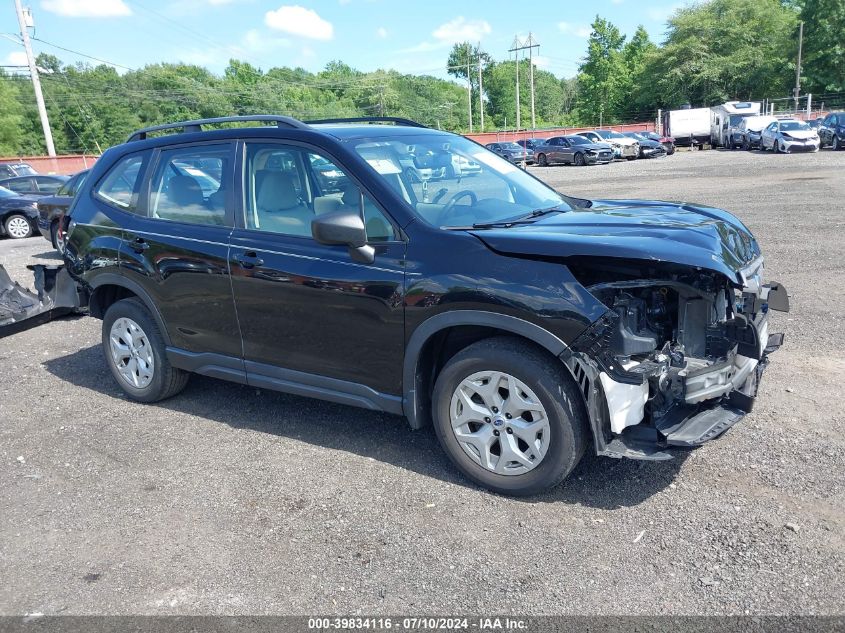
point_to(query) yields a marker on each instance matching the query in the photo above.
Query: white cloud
(87, 8)
(541, 61)
(381, 32)
(663, 13)
(16, 58)
(254, 41)
(299, 21)
(461, 30)
(578, 30)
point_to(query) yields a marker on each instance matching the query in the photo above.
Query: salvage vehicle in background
(668, 142)
(531, 143)
(34, 186)
(648, 147)
(525, 324)
(725, 120)
(10, 170)
(789, 135)
(18, 215)
(52, 209)
(512, 152)
(689, 127)
(572, 150)
(750, 129)
(623, 146)
(832, 130)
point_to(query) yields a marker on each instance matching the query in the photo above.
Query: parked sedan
(789, 135)
(531, 143)
(623, 146)
(572, 150)
(668, 142)
(18, 215)
(51, 209)
(648, 147)
(832, 130)
(34, 185)
(512, 152)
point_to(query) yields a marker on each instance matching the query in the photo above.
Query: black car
(18, 215)
(649, 148)
(667, 142)
(512, 152)
(34, 186)
(10, 170)
(51, 209)
(832, 130)
(526, 325)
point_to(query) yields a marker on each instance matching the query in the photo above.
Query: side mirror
(344, 227)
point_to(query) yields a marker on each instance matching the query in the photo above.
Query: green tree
(603, 76)
(11, 116)
(824, 45)
(464, 58)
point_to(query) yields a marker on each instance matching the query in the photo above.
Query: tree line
(713, 51)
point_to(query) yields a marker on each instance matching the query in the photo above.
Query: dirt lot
(229, 500)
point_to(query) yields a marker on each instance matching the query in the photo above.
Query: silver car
(789, 135)
(572, 150)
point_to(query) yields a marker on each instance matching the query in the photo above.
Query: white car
(789, 135)
(623, 146)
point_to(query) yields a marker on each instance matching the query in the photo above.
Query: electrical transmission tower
(529, 44)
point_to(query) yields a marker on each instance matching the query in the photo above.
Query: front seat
(279, 207)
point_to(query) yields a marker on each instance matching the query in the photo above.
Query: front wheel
(509, 417)
(135, 353)
(18, 226)
(579, 159)
(542, 161)
(837, 144)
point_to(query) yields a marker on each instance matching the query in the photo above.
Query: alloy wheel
(131, 353)
(500, 423)
(18, 227)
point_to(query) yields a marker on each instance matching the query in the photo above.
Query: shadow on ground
(596, 482)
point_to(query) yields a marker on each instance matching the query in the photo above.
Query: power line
(69, 50)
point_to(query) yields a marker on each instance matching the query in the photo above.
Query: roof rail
(196, 126)
(371, 119)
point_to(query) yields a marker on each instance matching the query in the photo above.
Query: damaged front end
(677, 358)
(55, 295)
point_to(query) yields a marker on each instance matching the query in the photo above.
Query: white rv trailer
(688, 126)
(725, 120)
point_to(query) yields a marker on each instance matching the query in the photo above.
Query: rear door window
(48, 185)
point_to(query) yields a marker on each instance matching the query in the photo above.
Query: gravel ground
(230, 500)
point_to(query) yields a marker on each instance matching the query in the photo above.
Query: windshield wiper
(523, 219)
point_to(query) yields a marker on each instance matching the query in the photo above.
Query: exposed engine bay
(678, 355)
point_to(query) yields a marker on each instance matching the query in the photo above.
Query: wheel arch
(109, 288)
(440, 337)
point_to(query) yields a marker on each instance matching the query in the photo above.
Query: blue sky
(412, 37)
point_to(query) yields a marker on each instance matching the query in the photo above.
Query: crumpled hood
(675, 232)
(800, 134)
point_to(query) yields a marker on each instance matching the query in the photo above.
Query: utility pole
(480, 91)
(809, 104)
(469, 88)
(36, 82)
(798, 66)
(517, 46)
(515, 50)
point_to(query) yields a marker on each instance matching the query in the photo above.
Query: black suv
(527, 325)
(832, 130)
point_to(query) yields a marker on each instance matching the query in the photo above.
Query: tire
(18, 226)
(836, 144)
(579, 159)
(542, 161)
(54, 229)
(165, 380)
(564, 438)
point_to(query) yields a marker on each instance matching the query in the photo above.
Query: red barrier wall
(64, 165)
(493, 137)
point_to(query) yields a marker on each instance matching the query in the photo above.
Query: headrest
(277, 192)
(184, 191)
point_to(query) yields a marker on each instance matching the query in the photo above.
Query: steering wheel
(450, 206)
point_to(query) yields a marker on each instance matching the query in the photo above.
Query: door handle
(139, 245)
(249, 260)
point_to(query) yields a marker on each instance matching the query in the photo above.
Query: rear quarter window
(121, 185)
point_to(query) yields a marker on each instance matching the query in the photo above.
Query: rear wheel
(509, 417)
(17, 226)
(135, 353)
(579, 159)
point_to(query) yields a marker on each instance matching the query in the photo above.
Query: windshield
(578, 140)
(736, 119)
(428, 171)
(510, 146)
(6, 193)
(792, 126)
